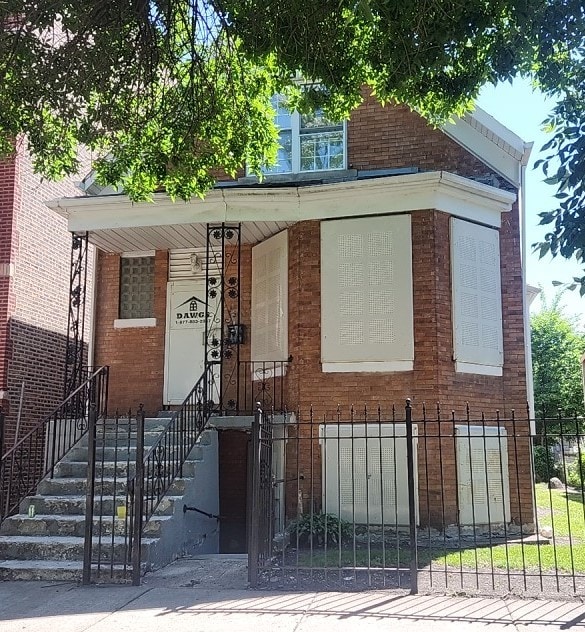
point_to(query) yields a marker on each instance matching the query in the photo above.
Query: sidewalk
(166, 602)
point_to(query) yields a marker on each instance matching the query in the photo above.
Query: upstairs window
(136, 287)
(308, 142)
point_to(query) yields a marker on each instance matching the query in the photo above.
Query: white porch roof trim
(492, 143)
(116, 224)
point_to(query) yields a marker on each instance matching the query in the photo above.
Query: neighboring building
(35, 265)
(381, 259)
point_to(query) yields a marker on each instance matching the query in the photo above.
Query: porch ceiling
(175, 236)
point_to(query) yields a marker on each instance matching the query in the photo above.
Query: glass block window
(136, 287)
(308, 142)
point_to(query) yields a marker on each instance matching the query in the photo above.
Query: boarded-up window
(269, 321)
(364, 472)
(136, 287)
(477, 295)
(482, 473)
(366, 292)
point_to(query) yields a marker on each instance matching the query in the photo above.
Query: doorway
(233, 493)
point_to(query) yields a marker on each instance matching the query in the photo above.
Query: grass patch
(556, 509)
(518, 556)
(513, 556)
(559, 509)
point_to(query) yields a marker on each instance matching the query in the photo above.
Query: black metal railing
(419, 499)
(259, 382)
(34, 456)
(163, 462)
(2, 418)
(2, 482)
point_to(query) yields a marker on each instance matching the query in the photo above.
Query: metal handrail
(165, 458)
(35, 455)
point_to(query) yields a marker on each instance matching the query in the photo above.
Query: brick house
(380, 259)
(35, 267)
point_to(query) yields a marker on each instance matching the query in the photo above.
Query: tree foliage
(556, 351)
(168, 93)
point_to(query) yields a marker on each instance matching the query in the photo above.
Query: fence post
(138, 497)
(411, 501)
(89, 498)
(254, 473)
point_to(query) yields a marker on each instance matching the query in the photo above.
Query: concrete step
(57, 570)
(65, 548)
(49, 546)
(75, 505)
(119, 454)
(106, 486)
(113, 439)
(155, 424)
(74, 525)
(78, 469)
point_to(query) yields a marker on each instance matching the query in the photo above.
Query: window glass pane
(284, 164)
(318, 119)
(282, 116)
(322, 151)
(136, 287)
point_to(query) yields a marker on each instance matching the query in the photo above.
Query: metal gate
(261, 494)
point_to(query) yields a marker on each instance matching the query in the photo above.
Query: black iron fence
(35, 455)
(419, 499)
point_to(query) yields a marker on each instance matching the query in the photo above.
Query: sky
(522, 111)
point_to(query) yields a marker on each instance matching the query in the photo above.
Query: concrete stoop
(49, 545)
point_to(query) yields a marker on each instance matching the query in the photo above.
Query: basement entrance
(233, 477)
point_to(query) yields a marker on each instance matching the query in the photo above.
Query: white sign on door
(185, 333)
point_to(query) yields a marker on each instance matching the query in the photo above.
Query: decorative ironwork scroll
(222, 326)
(75, 358)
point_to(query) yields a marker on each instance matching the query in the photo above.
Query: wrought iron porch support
(75, 352)
(223, 296)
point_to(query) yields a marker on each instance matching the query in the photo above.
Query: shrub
(576, 473)
(318, 529)
(545, 464)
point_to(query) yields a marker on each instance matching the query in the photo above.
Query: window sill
(367, 367)
(478, 369)
(301, 176)
(127, 323)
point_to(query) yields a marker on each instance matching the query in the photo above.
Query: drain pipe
(526, 307)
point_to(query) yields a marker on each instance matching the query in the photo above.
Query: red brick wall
(8, 191)
(33, 329)
(393, 137)
(135, 355)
